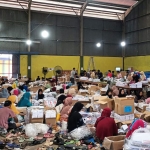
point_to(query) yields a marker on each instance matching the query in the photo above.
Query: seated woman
(60, 103)
(136, 124)
(25, 100)
(105, 126)
(9, 89)
(75, 119)
(40, 94)
(139, 97)
(122, 93)
(13, 99)
(4, 93)
(109, 93)
(66, 109)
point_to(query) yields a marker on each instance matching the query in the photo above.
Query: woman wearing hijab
(40, 94)
(61, 99)
(13, 98)
(105, 126)
(136, 124)
(139, 97)
(122, 93)
(9, 89)
(75, 119)
(25, 100)
(4, 93)
(66, 109)
(109, 93)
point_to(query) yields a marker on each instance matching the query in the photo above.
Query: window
(6, 65)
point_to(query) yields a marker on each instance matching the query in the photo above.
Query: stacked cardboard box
(104, 102)
(124, 109)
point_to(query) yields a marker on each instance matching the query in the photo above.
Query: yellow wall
(66, 62)
(141, 63)
(23, 65)
(104, 63)
(40, 61)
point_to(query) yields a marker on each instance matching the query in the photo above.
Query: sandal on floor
(31, 139)
(23, 145)
(21, 139)
(48, 142)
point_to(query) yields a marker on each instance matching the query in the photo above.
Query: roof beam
(83, 7)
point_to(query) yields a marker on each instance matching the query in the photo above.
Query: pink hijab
(67, 106)
(16, 92)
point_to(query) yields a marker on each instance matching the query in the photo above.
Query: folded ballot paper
(37, 113)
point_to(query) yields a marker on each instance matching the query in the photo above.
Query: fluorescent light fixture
(44, 34)
(123, 43)
(98, 44)
(28, 42)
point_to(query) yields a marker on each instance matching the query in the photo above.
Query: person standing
(72, 77)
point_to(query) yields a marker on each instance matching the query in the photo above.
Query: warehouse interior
(103, 22)
(87, 57)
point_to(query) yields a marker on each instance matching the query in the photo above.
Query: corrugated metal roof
(109, 9)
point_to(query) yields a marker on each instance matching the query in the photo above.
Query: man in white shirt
(72, 77)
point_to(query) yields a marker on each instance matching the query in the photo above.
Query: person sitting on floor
(122, 93)
(66, 109)
(139, 97)
(40, 94)
(105, 126)
(75, 119)
(109, 93)
(25, 100)
(5, 114)
(4, 93)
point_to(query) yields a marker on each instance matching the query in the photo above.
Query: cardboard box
(2, 100)
(105, 102)
(114, 142)
(124, 106)
(22, 110)
(50, 121)
(122, 118)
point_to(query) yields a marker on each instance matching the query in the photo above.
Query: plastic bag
(80, 133)
(41, 128)
(30, 130)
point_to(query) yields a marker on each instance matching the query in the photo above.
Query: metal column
(29, 36)
(81, 35)
(81, 43)
(123, 38)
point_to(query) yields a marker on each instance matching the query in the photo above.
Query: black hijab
(40, 96)
(109, 90)
(60, 99)
(121, 95)
(75, 119)
(139, 97)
